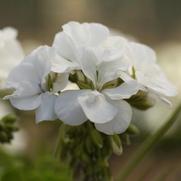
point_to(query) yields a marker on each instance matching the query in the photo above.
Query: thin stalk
(147, 146)
(58, 142)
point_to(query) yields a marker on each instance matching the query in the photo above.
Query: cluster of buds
(7, 128)
(88, 151)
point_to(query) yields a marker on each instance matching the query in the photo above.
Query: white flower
(29, 79)
(147, 72)
(11, 52)
(104, 107)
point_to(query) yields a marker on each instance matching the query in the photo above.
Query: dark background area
(151, 21)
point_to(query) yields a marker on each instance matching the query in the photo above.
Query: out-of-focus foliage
(7, 128)
(45, 168)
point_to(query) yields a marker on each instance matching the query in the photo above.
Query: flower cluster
(108, 71)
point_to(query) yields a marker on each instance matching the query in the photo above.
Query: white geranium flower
(102, 106)
(11, 52)
(147, 72)
(30, 79)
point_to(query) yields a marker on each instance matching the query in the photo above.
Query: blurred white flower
(169, 55)
(29, 79)
(11, 52)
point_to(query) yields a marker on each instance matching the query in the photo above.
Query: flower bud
(141, 101)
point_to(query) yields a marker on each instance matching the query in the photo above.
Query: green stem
(58, 142)
(147, 146)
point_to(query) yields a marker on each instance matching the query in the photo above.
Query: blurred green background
(153, 22)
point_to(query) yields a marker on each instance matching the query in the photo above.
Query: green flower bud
(117, 145)
(96, 138)
(132, 130)
(9, 119)
(7, 128)
(141, 101)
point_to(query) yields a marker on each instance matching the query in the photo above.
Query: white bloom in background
(147, 72)
(11, 52)
(169, 55)
(29, 79)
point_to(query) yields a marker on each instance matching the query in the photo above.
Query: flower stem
(147, 146)
(58, 142)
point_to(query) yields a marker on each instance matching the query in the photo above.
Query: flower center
(48, 82)
(83, 82)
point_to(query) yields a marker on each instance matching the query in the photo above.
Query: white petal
(87, 34)
(33, 68)
(88, 64)
(124, 91)
(60, 83)
(27, 77)
(65, 47)
(148, 73)
(125, 76)
(68, 108)
(40, 59)
(97, 108)
(140, 54)
(24, 72)
(156, 80)
(23, 89)
(98, 33)
(46, 109)
(110, 70)
(61, 65)
(121, 121)
(112, 49)
(24, 80)
(26, 103)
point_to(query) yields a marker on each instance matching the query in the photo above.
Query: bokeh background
(156, 23)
